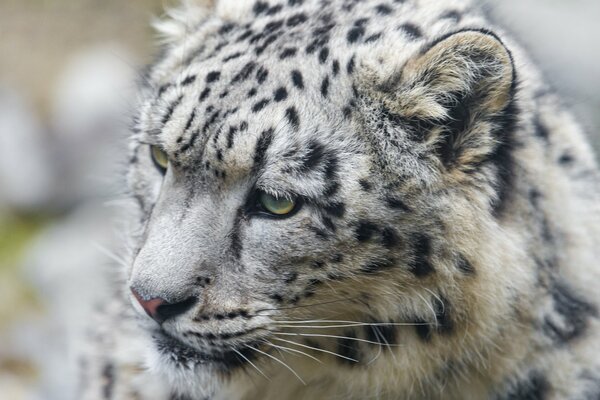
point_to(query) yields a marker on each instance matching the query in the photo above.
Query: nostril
(159, 310)
(167, 310)
(150, 306)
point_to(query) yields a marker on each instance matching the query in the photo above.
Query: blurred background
(67, 70)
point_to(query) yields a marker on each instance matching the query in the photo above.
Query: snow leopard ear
(455, 97)
(181, 20)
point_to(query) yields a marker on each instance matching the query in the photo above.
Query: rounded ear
(181, 20)
(455, 96)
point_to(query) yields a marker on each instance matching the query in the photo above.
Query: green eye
(276, 206)
(160, 158)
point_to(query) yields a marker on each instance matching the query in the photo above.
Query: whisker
(280, 362)
(251, 363)
(316, 349)
(110, 254)
(329, 336)
(306, 305)
(293, 350)
(349, 325)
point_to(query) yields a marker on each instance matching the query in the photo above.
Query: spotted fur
(446, 240)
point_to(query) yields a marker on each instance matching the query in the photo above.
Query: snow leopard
(351, 199)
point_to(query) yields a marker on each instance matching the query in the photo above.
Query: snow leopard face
(309, 162)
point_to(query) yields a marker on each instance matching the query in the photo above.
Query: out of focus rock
(26, 176)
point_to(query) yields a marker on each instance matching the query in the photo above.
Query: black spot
(258, 106)
(535, 387)
(317, 264)
(422, 248)
(274, 10)
(382, 334)
(455, 15)
(350, 65)
(411, 30)
(226, 28)
(572, 315)
(337, 258)
(259, 50)
(273, 26)
(365, 185)
(373, 38)
(389, 237)
(188, 80)
(252, 92)
(423, 329)
(244, 35)
(383, 9)
(465, 266)
(566, 159)
(396, 204)
(108, 380)
(204, 94)
(297, 79)
(313, 156)
(540, 129)
(377, 266)
(171, 110)
(280, 94)
(323, 54)
(291, 277)
(297, 19)
(335, 209)
(262, 144)
(325, 86)
(163, 88)
(355, 34)
(189, 122)
(289, 52)
(261, 75)
(277, 297)
(244, 72)
(260, 7)
(335, 67)
(295, 2)
(233, 56)
(328, 223)
(348, 347)
(292, 116)
(331, 189)
(365, 230)
(213, 76)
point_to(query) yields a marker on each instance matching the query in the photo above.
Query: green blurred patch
(16, 232)
(16, 296)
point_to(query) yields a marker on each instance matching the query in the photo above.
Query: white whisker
(329, 336)
(316, 349)
(293, 350)
(251, 363)
(279, 361)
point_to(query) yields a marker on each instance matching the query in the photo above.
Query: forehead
(288, 69)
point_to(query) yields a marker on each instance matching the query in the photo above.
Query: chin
(194, 372)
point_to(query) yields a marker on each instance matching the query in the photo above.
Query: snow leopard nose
(160, 310)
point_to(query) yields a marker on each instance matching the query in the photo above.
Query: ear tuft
(180, 21)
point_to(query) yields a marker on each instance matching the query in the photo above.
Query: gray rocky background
(66, 69)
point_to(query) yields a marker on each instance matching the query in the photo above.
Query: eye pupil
(276, 206)
(160, 158)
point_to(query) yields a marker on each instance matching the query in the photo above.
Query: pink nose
(160, 310)
(150, 306)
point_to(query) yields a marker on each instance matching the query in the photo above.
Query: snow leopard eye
(276, 206)
(159, 158)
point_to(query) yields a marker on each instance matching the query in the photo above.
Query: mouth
(224, 357)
